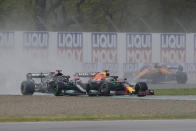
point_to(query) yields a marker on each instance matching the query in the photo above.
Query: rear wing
(36, 75)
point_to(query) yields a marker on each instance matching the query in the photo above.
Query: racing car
(53, 82)
(102, 84)
(156, 73)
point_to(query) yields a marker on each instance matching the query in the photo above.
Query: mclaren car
(157, 73)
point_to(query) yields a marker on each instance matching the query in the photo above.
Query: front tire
(27, 87)
(140, 89)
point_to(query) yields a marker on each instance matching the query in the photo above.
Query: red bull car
(102, 84)
(156, 73)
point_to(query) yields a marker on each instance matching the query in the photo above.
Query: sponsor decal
(7, 40)
(138, 48)
(70, 45)
(104, 47)
(173, 48)
(35, 40)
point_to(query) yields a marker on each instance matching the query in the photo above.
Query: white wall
(22, 52)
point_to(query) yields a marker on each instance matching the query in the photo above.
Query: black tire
(88, 90)
(104, 89)
(27, 87)
(181, 77)
(57, 88)
(140, 87)
(141, 94)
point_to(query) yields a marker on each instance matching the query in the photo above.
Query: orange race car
(156, 73)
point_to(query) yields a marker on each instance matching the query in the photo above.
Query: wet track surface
(16, 90)
(126, 125)
(151, 86)
(171, 85)
(184, 98)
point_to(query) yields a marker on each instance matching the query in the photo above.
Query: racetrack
(15, 90)
(171, 85)
(128, 125)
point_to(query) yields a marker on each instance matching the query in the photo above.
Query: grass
(181, 91)
(91, 117)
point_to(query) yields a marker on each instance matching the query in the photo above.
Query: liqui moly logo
(70, 45)
(7, 40)
(138, 48)
(35, 40)
(104, 48)
(173, 48)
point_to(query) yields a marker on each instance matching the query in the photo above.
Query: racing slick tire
(27, 87)
(140, 89)
(141, 93)
(57, 88)
(104, 89)
(181, 77)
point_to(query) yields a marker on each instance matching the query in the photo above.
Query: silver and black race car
(53, 82)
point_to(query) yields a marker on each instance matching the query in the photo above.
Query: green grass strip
(92, 117)
(181, 91)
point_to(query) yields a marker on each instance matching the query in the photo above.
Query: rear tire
(27, 87)
(57, 88)
(104, 89)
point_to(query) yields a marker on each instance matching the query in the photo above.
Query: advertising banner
(130, 70)
(138, 48)
(104, 48)
(190, 68)
(130, 67)
(7, 40)
(36, 43)
(173, 48)
(90, 67)
(70, 45)
(112, 67)
(195, 48)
